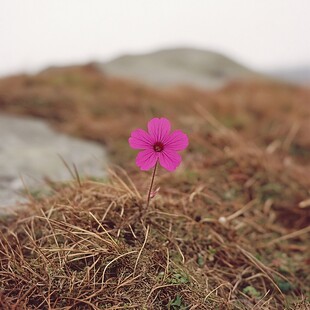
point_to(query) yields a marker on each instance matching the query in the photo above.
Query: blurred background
(266, 36)
(62, 62)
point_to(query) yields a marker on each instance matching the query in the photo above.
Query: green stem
(151, 186)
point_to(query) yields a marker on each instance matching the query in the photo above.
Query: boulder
(31, 151)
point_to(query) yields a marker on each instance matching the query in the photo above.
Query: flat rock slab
(30, 150)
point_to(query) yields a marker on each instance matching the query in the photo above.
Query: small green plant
(284, 286)
(251, 291)
(200, 261)
(211, 253)
(179, 278)
(177, 304)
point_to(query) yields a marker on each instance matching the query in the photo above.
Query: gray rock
(186, 66)
(30, 151)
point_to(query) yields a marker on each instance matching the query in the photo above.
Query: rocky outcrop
(31, 151)
(180, 66)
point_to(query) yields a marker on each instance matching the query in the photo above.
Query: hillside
(179, 66)
(228, 230)
(297, 75)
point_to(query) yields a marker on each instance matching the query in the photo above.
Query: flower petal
(169, 159)
(158, 128)
(140, 140)
(146, 159)
(176, 141)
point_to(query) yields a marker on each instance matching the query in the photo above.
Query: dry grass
(228, 230)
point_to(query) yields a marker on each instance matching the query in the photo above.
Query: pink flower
(158, 144)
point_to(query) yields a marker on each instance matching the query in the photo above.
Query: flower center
(158, 146)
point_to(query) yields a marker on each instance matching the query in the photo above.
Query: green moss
(251, 291)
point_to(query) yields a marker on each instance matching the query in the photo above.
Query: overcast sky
(264, 34)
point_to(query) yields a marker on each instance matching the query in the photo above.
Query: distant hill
(169, 67)
(299, 75)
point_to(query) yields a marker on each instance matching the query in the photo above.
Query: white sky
(264, 34)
